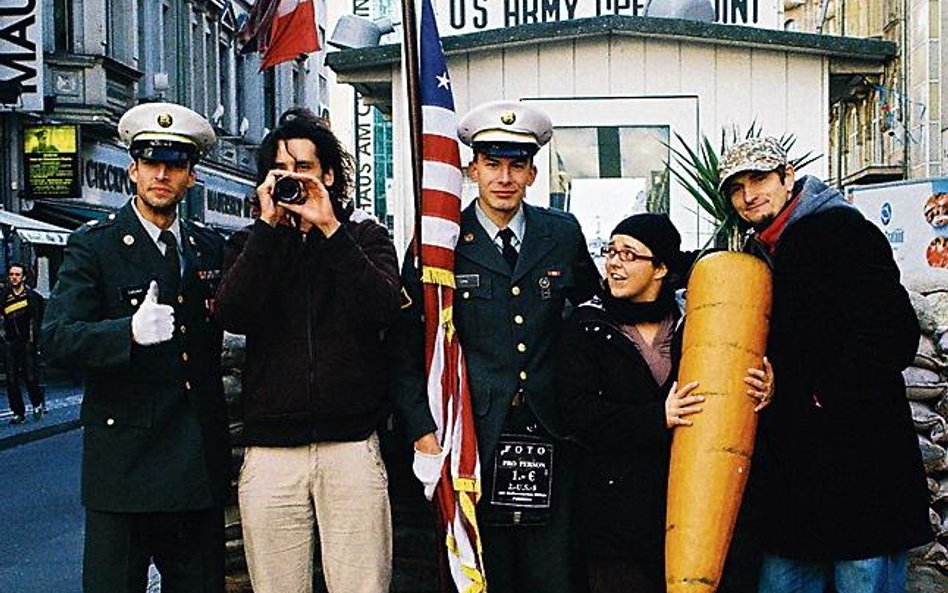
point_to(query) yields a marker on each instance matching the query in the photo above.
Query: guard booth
(621, 90)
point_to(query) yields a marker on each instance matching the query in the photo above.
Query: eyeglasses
(626, 255)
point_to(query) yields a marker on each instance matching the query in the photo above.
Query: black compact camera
(288, 191)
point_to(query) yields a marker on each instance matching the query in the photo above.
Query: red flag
(281, 30)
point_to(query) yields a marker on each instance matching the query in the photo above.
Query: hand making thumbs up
(152, 323)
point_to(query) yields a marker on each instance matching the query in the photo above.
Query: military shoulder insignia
(96, 224)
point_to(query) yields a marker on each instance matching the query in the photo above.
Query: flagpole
(410, 50)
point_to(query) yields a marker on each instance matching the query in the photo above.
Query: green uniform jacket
(508, 325)
(156, 435)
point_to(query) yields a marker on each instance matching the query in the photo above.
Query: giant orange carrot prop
(727, 317)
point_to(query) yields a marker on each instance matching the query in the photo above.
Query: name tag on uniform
(523, 472)
(132, 295)
(468, 280)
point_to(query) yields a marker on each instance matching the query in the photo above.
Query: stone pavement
(62, 401)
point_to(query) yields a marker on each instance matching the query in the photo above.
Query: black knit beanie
(657, 233)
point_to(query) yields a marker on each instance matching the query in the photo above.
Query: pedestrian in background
(132, 309)
(22, 316)
(313, 284)
(842, 492)
(518, 268)
(620, 402)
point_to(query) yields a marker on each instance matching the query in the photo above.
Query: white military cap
(166, 132)
(505, 129)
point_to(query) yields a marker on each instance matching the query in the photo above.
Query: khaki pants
(285, 491)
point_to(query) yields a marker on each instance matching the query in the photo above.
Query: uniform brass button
(521, 347)
(523, 375)
(187, 385)
(180, 298)
(515, 291)
(466, 295)
(110, 421)
(184, 356)
(184, 329)
(518, 319)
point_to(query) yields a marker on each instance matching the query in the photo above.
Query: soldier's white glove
(427, 469)
(152, 323)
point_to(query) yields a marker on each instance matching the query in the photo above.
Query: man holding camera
(313, 284)
(132, 309)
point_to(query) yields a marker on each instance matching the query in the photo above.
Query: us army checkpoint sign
(468, 16)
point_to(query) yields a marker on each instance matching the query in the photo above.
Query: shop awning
(43, 237)
(66, 215)
(32, 230)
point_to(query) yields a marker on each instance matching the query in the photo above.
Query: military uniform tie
(508, 250)
(172, 261)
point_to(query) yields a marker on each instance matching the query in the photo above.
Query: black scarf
(626, 312)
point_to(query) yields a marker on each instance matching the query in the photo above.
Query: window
(603, 174)
(168, 64)
(269, 98)
(119, 15)
(323, 91)
(299, 82)
(240, 97)
(227, 89)
(62, 25)
(198, 64)
(212, 62)
(608, 159)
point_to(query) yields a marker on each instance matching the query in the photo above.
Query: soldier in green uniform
(132, 309)
(517, 266)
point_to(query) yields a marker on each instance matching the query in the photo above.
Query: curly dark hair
(300, 122)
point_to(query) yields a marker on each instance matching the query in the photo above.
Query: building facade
(894, 125)
(96, 58)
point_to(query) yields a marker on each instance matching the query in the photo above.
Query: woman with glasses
(619, 400)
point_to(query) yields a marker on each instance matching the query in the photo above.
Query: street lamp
(355, 32)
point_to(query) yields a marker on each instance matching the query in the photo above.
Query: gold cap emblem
(508, 117)
(165, 120)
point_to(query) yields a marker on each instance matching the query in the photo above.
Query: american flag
(449, 397)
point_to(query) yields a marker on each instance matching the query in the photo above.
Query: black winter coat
(314, 312)
(612, 405)
(837, 458)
